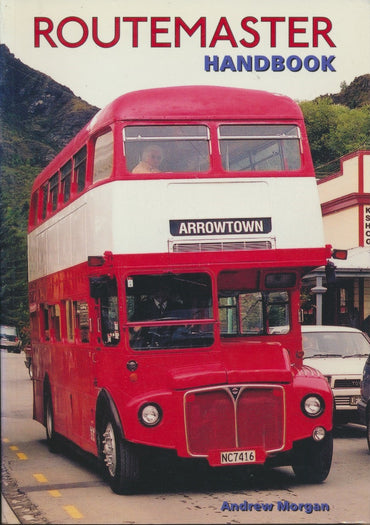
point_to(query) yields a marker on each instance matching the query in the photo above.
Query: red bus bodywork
(228, 384)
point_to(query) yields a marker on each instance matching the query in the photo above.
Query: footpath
(7, 515)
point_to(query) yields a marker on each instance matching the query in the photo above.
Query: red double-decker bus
(167, 242)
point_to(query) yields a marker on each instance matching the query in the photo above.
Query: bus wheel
(121, 460)
(312, 460)
(51, 436)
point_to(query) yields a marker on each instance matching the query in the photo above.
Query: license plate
(238, 456)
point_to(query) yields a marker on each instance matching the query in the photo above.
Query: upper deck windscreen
(186, 148)
(260, 147)
(154, 149)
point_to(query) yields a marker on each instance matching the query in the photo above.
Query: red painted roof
(208, 102)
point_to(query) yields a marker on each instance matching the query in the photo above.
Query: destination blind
(234, 226)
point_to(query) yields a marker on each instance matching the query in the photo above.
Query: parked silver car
(339, 353)
(9, 339)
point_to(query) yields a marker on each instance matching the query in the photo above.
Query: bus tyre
(51, 436)
(312, 460)
(120, 459)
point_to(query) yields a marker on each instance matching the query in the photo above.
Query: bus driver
(151, 160)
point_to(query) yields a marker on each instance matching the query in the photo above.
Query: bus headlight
(312, 405)
(150, 414)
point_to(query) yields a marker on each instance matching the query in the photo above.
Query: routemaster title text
(294, 32)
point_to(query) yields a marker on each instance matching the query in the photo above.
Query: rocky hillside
(39, 115)
(355, 95)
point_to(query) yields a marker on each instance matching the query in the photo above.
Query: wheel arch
(105, 403)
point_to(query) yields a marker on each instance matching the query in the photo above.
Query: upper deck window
(80, 168)
(103, 157)
(54, 183)
(66, 178)
(264, 147)
(44, 204)
(155, 149)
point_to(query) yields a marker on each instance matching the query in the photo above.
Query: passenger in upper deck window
(151, 160)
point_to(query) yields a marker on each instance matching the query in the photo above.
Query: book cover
(102, 50)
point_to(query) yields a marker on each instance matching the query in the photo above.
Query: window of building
(79, 162)
(103, 157)
(154, 149)
(264, 147)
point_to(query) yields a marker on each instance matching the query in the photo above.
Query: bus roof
(205, 102)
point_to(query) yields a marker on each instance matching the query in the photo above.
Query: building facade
(345, 204)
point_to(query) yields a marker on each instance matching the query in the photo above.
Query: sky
(151, 59)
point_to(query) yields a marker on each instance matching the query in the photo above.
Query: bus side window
(45, 191)
(104, 290)
(79, 161)
(55, 322)
(44, 322)
(69, 308)
(103, 157)
(54, 190)
(66, 180)
(82, 320)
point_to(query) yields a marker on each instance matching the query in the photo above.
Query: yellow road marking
(54, 493)
(40, 477)
(21, 455)
(72, 511)
(13, 447)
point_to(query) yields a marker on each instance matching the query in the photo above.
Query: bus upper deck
(232, 171)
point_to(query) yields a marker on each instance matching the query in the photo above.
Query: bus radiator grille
(234, 417)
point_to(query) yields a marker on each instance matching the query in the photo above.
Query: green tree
(333, 131)
(14, 197)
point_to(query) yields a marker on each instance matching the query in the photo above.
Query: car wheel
(312, 460)
(120, 459)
